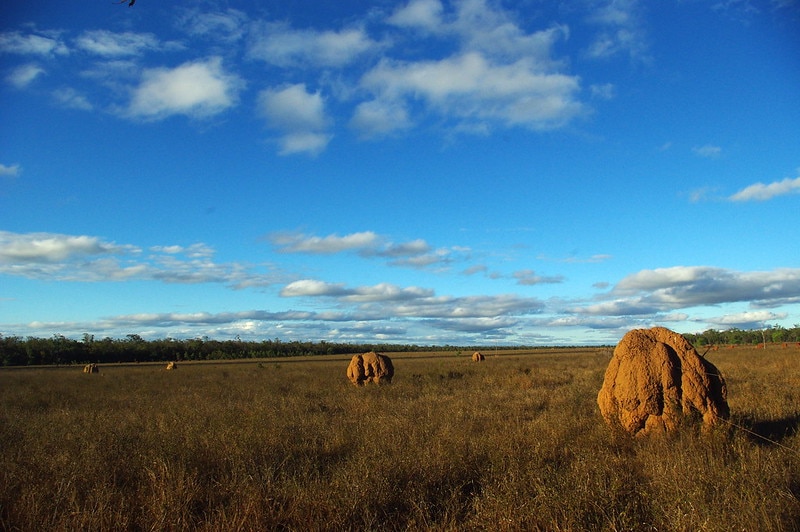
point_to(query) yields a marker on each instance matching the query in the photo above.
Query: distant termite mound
(171, 366)
(370, 367)
(656, 379)
(477, 356)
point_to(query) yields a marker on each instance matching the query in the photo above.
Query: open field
(513, 443)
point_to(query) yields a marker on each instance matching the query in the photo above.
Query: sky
(431, 172)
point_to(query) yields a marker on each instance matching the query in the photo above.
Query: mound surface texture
(370, 367)
(655, 379)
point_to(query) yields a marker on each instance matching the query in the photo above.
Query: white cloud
(678, 287)
(423, 14)
(746, 320)
(313, 288)
(24, 75)
(300, 243)
(384, 292)
(470, 87)
(299, 114)
(196, 89)
(498, 75)
(763, 192)
(194, 251)
(309, 142)
(280, 45)
(31, 44)
(493, 32)
(386, 300)
(50, 247)
(109, 44)
(58, 257)
(412, 254)
(708, 151)
(10, 170)
(379, 118)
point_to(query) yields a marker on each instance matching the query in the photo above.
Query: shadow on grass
(773, 430)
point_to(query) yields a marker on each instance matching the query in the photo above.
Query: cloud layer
(386, 310)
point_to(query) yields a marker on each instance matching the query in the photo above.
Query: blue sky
(432, 172)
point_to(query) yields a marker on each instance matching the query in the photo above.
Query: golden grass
(513, 443)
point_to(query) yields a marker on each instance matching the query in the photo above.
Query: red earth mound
(656, 379)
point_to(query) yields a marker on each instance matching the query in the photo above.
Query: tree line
(776, 335)
(60, 350)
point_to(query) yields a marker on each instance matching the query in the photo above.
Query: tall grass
(514, 443)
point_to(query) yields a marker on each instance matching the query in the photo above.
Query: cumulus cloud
(379, 118)
(32, 44)
(472, 88)
(301, 243)
(680, 287)
(81, 258)
(746, 320)
(378, 293)
(497, 75)
(299, 115)
(110, 44)
(763, 192)
(423, 14)
(197, 89)
(491, 72)
(50, 247)
(386, 301)
(416, 253)
(195, 251)
(312, 288)
(280, 45)
(24, 75)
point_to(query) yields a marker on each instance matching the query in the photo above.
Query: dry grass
(514, 443)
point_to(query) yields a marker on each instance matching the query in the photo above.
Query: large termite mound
(656, 379)
(370, 367)
(477, 356)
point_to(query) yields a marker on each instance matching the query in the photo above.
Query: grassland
(513, 443)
